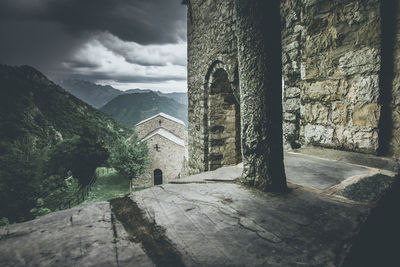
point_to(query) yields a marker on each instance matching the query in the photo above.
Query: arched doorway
(158, 178)
(224, 141)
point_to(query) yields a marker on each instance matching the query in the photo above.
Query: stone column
(260, 72)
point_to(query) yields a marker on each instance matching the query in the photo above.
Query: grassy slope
(109, 185)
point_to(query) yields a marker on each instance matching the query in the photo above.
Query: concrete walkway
(207, 220)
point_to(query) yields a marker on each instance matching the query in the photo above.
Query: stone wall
(394, 104)
(335, 90)
(169, 159)
(211, 46)
(143, 129)
(331, 57)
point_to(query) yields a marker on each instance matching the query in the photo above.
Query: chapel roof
(166, 134)
(162, 115)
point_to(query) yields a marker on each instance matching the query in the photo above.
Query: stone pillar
(260, 72)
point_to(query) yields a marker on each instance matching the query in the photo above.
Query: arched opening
(224, 141)
(158, 178)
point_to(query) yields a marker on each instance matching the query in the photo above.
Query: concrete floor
(319, 173)
(208, 220)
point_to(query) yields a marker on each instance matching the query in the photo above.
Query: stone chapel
(165, 137)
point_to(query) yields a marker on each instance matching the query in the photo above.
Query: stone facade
(161, 120)
(165, 137)
(209, 22)
(393, 98)
(337, 92)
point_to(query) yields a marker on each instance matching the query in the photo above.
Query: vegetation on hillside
(109, 184)
(129, 157)
(50, 143)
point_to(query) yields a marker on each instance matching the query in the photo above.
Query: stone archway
(224, 141)
(158, 177)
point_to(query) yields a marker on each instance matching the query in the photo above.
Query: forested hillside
(46, 136)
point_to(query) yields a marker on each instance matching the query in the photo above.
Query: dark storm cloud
(78, 64)
(141, 21)
(51, 35)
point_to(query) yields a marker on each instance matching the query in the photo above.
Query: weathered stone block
(318, 134)
(339, 113)
(327, 90)
(314, 67)
(289, 117)
(291, 92)
(364, 89)
(288, 128)
(325, 39)
(395, 143)
(316, 113)
(396, 117)
(357, 138)
(365, 60)
(367, 115)
(292, 104)
(366, 140)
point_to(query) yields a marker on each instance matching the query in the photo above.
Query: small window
(159, 122)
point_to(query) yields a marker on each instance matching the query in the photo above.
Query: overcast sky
(124, 43)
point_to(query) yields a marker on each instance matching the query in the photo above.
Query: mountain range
(131, 106)
(98, 95)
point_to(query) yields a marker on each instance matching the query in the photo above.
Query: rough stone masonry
(340, 77)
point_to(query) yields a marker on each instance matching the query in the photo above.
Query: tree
(21, 178)
(129, 157)
(81, 155)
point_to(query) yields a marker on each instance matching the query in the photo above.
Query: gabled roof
(168, 135)
(162, 115)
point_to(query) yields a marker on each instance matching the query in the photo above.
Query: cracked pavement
(207, 220)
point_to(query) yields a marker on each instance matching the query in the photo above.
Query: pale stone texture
(260, 94)
(165, 137)
(212, 45)
(331, 68)
(169, 159)
(83, 236)
(208, 220)
(175, 126)
(394, 105)
(338, 48)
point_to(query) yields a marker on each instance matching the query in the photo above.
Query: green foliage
(35, 181)
(46, 135)
(129, 157)
(20, 175)
(109, 184)
(40, 209)
(81, 155)
(4, 221)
